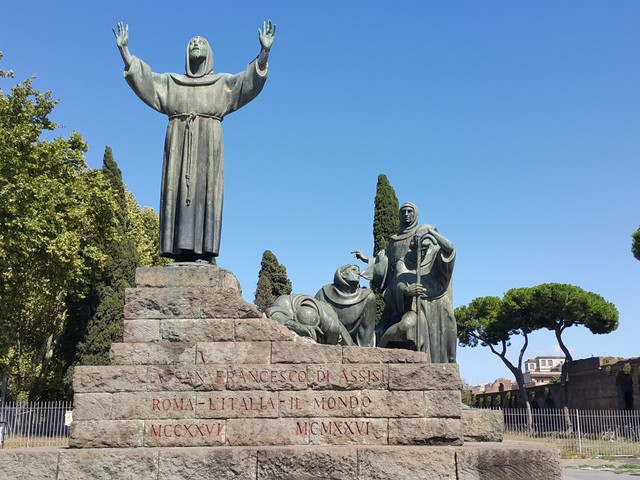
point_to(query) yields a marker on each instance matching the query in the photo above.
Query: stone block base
(504, 461)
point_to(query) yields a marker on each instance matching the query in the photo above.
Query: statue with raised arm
(355, 306)
(193, 164)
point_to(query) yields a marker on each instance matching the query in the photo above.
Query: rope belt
(188, 142)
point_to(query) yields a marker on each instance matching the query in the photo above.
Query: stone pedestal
(243, 397)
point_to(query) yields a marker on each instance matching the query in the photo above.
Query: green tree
(54, 214)
(272, 281)
(557, 306)
(385, 215)
(635, 244)
(492, 322)
(385, 223)
(105, 303)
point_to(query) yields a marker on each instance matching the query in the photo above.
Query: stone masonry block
(92, 406)
(109, 378)
(150, 303)
(200, 463)
(187, 276)
(482, 425)
(443, 403)
(260, 330)
(258, 431)
(309, 463)
(157, 353)
(141, 331)
(106, 433)
(391, 404)
(430, 376)
(382, 355)
(305, 351)
(425, 431)
(107, 463)
(29, 464)
(226, 303)
(407, 463)
(196, 330)
(491, 461)
(234, 352)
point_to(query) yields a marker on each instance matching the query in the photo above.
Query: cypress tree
(635, 245)
(385, 216)
(385, 224)
(272, 281)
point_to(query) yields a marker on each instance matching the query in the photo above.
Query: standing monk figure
(193, 164)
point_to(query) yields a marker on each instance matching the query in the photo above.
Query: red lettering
(155, 405)
(311, 425)
(159, 378)
(156, 430)
(299, 428)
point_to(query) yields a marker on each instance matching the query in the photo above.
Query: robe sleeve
(151, 88)
(243, 87)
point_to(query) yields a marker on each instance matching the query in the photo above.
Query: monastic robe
(192, 171)
(434, 309)
(355, 309)
(285, 309)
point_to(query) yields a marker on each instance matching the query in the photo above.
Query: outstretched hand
(267, 34)
(122, 36)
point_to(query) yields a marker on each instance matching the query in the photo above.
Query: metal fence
(592, 432)
(35, 424)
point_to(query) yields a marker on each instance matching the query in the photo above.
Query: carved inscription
(232, 376)
(333, 428)
(192, 430)
(340, 402)
(254, 392)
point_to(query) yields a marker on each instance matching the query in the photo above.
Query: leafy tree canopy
(635, 244)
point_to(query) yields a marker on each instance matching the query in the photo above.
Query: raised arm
(266, 35)
(122, 40)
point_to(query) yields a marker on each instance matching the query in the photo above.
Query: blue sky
(514, 126)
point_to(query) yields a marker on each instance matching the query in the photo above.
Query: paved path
(569, 473)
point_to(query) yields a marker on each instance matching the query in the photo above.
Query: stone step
(504, 461)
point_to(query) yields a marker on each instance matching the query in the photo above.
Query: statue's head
(349, 274)
(199, 58)
(408, 215)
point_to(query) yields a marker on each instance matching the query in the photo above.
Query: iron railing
(587, 432)
(34, 424)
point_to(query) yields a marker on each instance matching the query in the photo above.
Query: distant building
(542, 370)
(596, 383)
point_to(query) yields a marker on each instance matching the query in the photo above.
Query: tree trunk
(564, 374)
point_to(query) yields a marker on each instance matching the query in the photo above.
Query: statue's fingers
(273, 34)
(114, 32)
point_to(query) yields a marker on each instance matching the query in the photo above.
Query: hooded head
(199, 58)
(408, 214)
(347, 276)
